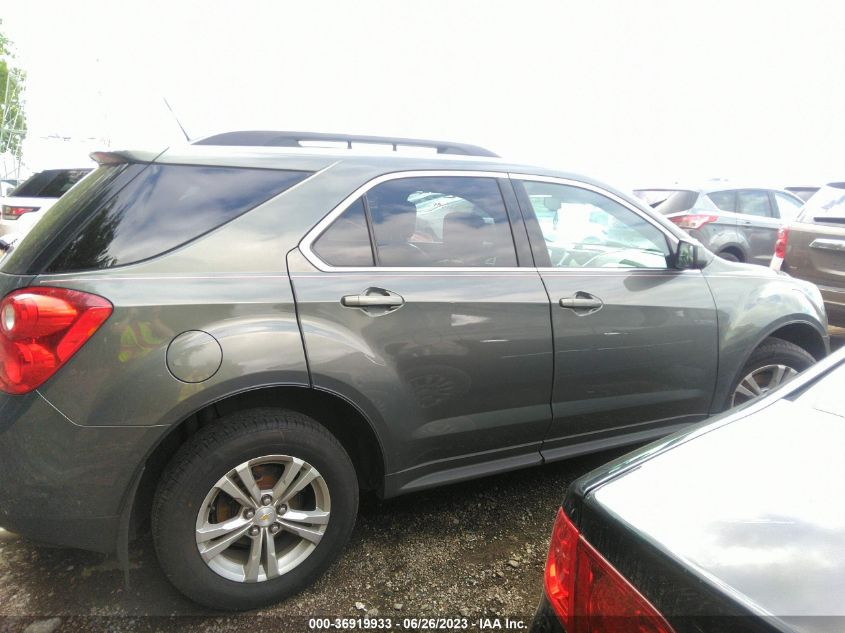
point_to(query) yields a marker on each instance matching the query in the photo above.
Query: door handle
(828, 245)
(373, 298)
(581, 301)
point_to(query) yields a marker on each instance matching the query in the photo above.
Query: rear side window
(444, 221)
(51, 183)
(724, 200)
(347, 241)
(753, 202)
(164, 207)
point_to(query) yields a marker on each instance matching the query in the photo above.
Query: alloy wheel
(760, 381)
(263, 518)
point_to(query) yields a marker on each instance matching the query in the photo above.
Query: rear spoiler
(123, 156)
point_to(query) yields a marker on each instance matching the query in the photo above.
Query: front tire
(772, 364)
(729, 256)
(253, 509)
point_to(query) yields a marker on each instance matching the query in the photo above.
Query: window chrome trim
(672, 239)
(307, 242)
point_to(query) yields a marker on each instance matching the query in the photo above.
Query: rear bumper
(62, 483)
(545, 620)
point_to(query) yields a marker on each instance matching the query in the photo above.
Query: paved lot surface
(476, 548)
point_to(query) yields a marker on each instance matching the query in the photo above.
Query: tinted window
(677, 202)
(753, 202)
(440, 221)
(589, 230)
(724, 200)
(166, 206)
(347, 241)
(52, 183)
(788, 206)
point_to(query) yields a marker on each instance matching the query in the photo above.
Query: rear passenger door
(419, 303)
(635, 340)
(759, 222)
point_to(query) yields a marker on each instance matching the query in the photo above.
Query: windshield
(826, 205)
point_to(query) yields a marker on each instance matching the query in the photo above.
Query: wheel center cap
(265, 516)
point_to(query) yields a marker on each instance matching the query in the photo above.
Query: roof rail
(293, 139)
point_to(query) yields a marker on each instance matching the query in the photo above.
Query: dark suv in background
(228, 340)
(812, 247)
(737, 223)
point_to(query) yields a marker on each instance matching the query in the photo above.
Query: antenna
(187, 138)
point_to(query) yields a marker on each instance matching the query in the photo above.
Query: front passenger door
(635, 341)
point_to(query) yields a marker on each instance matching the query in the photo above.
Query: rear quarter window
(164, 207)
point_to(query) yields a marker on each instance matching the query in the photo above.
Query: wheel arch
(804, 333)
(734, 249)
(342, 418)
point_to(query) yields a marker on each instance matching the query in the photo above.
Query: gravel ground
(474, 549)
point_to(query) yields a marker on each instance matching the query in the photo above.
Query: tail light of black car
(587, 594)
(41, 329)
(13, 213)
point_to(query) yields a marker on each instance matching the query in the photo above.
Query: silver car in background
(737, 223)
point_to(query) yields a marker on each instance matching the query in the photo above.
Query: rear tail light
(40, 329)
(780, 248)
(588, 594)
(693, 221)
(13, 213)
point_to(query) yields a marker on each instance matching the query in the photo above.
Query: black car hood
(756, 506)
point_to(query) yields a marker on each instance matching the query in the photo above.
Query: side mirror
(686, 256)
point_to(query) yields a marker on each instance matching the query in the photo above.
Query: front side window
(753, 202)
(589, 230)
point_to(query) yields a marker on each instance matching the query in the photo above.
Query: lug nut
(253, 531)
(275, 528)
(282, 509)
(249, 514)
(266, 500)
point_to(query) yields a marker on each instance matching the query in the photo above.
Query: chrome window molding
(307, 242)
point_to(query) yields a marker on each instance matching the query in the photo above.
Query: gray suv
(227, 341)
(738, 223)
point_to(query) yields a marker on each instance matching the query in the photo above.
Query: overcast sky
(633, 92)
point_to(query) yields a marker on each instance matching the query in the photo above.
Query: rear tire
(729, 256)
(772, 364)
(276, 450)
